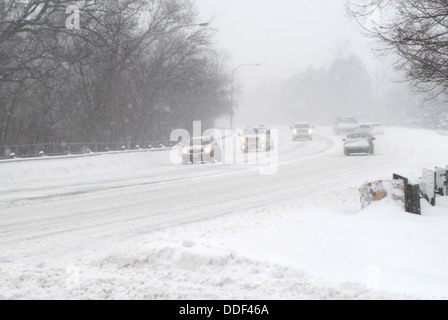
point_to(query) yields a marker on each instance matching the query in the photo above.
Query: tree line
(135, 70)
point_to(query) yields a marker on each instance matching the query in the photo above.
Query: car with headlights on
(302, 131)
(359, 143)
(201, 150)
(256, 139)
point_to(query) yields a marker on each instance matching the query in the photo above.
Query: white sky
(285, 36)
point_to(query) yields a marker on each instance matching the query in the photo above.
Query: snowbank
(75, 167)
(302, 249)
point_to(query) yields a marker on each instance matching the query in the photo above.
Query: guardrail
(67, 149)
(41, 150)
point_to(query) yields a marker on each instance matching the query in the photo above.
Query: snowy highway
(68, 209)
(323, 155)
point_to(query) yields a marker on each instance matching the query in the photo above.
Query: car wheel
(346, 153)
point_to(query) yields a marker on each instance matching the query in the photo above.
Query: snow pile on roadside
(172, 271)
(76, 167)
(319, 246)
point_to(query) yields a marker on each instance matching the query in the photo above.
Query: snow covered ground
(138, 227)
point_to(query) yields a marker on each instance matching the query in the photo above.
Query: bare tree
(134, 70)
(28, 50)
(415, 30)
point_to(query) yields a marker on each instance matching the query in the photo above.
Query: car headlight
(295, 131)
(310, 131)
(244, 140)
(185, 151)
(208, 150)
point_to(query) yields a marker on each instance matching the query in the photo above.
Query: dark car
(357, 143)
(201, 149)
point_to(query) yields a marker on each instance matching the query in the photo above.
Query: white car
(302, 130)
(201, 149)
(366, 128)
(345, 125)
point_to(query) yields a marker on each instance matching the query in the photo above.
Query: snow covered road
(58, 213)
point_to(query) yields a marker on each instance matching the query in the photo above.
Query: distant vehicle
(256, 138)
(378, 128)
(366, 128)
(359, 143)
(302, 130)
(201, 149)
(345, 125)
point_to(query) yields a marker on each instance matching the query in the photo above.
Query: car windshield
(358, 136)
(301, 126)
(199, 141)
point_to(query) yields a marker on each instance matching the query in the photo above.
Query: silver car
(257, 139)
(357, 143)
